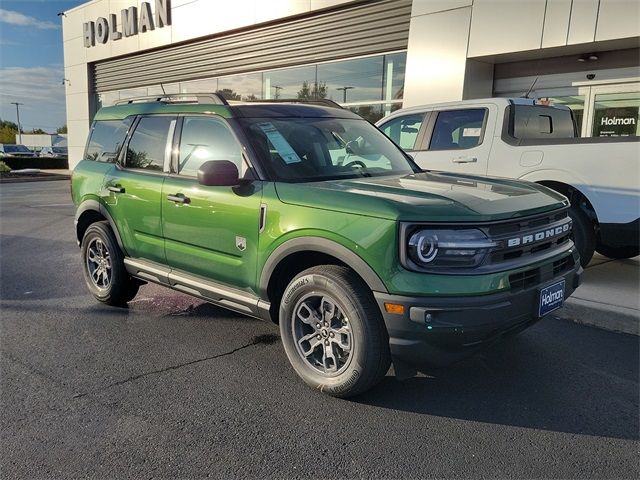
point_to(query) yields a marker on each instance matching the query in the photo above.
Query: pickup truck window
(404, 130)
(458, 129)
(204, 139)
(538, 121)
(106, 139)
(148, 145)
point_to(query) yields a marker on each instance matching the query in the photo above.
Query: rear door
(210, 231)
(132, 189)
(458, 139)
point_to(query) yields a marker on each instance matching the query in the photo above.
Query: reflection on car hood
(426, 196)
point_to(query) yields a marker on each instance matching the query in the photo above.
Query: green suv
(308, 216)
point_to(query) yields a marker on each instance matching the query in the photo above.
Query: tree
(37, 131)
(228, 94)
(308, 92)
(8, 131)
(62, 129)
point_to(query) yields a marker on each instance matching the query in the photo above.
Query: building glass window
(148, 145)
(351, 81)
(370, 86)
(297, 82)
(616, 114)
(240, 87)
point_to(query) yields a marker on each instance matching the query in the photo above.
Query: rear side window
(106, 139)
(458, 129)
(404, 130)
(147, 148)
(537, 121)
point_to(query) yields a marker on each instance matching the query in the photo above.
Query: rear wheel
(628, 251)
(333, 332)
(104, 270)
(584, 235)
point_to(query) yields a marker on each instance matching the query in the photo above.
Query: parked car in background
(55, 152)
(524, 139)
(12, 150)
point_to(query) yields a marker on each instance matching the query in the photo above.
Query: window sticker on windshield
(285, 150)
(471, 132)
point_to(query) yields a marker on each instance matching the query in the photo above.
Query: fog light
(394, 308)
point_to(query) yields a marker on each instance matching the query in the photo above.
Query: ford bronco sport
(308, 216)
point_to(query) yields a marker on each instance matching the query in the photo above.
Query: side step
(216, 293)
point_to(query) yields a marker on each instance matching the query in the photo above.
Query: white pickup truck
(519, 138)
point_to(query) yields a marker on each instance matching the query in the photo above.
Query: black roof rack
(214, 98)
(320, 101)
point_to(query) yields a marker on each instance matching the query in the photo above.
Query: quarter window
(148, 146)
(404, 130)
(106, 140)
(204, 139)
(458, 129)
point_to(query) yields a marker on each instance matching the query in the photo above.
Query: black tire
(584, 235)
(114, 287)
(355, 314)
(628, 251)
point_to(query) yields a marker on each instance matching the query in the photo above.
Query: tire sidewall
(100, 231)
(323, 285)
(583, 235)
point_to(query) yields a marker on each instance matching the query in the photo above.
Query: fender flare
(96, 206)
(319, 245)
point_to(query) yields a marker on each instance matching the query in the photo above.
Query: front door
(210, 231)
(455, 140)
(132, 189)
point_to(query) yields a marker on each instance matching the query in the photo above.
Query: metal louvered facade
(365, 28)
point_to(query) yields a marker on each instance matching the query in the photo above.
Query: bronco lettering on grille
(538, 236)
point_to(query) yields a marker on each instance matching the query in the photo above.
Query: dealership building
(372, 56)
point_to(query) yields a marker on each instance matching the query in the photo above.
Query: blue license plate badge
(551, 298)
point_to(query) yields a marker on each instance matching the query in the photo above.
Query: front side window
(106, 139)
(458, 129)
(148, 145)
(404, 130)
(204, 139)
(315, 149)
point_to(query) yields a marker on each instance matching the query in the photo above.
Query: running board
(218, 294)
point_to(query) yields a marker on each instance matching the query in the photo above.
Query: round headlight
(427, 247)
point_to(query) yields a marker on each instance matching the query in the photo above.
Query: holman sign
(132, 22)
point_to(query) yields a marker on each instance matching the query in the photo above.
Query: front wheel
(584, 235)
(333, 332)
(103, 267)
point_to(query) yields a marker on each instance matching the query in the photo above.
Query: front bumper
(442, 330)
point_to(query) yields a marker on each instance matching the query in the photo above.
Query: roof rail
(177, 98)
(319, 101)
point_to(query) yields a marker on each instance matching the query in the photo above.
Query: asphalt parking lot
(172, 387)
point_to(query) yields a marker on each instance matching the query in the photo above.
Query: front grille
(545, 273)
(518, 239)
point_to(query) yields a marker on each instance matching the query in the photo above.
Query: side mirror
(218, 173)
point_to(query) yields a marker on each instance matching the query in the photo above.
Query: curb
(35, 178)
(611, 318)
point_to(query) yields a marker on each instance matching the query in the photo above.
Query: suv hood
(426, 196)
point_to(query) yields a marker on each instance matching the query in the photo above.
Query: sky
(31, 62)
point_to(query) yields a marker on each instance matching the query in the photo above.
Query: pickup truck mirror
(218, 173)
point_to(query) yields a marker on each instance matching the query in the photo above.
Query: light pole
(344, 93)
(17, 104)
(277, 88)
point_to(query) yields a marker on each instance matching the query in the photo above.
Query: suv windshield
(315, 149)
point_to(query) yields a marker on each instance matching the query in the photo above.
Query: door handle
(115, 188)
(178, 198)
(465, 160)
